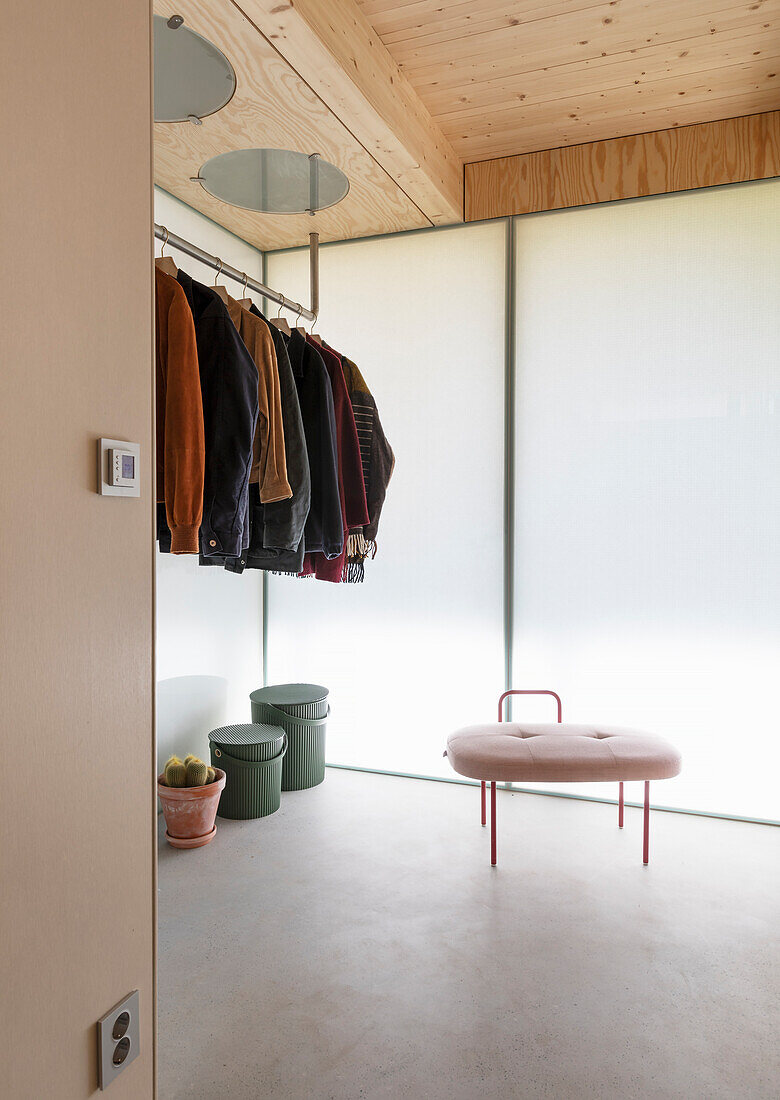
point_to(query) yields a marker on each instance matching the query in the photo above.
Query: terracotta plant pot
(190, 812)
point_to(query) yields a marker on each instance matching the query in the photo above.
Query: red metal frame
(517, 691)
(483, 784)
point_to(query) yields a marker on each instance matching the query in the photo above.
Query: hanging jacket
(181, 452)
(324, 531)
(284, 520)
(229, 388)
(378, 463)
(269, 460)
(276, 541)
(352, 492)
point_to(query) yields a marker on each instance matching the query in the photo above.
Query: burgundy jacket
(352, 490)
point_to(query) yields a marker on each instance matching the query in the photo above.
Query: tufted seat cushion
(551, 753)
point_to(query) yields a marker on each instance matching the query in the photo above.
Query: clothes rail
(172, 239)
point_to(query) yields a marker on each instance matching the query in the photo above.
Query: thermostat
(118, 472)
(122, 466)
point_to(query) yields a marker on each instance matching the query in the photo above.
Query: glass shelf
(192, 78)
(274, 181)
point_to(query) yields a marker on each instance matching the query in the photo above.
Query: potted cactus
(189, 791)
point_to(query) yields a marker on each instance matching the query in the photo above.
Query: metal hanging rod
(172, 239)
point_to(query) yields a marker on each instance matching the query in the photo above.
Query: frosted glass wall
(418, 648)
(648, 479)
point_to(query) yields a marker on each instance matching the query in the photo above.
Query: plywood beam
(272, 107)
(334, 49)
(679, 159)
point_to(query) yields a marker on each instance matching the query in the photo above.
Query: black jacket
(228, 382)
(324, 532)
(284, 520)
(258, 556)
(276, 540)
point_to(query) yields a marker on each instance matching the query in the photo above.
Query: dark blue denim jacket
(228, 382)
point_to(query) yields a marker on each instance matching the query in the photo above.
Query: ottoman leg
(484, 803)
(620, 807)
(492, 824)
(646, 843)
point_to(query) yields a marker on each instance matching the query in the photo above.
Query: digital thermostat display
(118, 468)
(122, 468)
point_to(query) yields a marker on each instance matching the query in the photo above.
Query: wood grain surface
(513, 76)
(337, 52)
(272, 108)
(678, 159)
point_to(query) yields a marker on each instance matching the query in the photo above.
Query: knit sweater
(375, 452)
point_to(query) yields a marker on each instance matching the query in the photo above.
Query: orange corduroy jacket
(269, 458)
(181, 450)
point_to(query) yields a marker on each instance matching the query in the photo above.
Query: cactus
(175, 773)
(190, 772)
(197, 773)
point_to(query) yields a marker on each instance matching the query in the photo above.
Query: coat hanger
(246, 302)
(221, 291)
(300, 328)
(165, 263)
(281, 322)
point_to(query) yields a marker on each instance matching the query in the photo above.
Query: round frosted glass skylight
(192, 78)
(274, 181)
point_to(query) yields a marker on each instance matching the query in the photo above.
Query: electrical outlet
(118, 1039)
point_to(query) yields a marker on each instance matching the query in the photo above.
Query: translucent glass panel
(648, 479)
(277, 181)
(192, 78)
(417, 649)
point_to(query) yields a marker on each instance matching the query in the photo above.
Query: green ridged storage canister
(251, 757)
(302, 712)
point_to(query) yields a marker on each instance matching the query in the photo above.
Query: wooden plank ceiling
(401, 93)
(501, 77)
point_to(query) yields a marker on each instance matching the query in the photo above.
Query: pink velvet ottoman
(514, 752)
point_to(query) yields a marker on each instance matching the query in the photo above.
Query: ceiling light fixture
(274, 181)
(192, 78)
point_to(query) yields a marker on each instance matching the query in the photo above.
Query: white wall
(209, 621)
(76, 363)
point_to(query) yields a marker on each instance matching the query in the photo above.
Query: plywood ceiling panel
(511, 76)
(339, 55)
(705, 155)
(274, 108)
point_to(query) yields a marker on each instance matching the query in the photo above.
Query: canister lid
(281, 695)
(246, 733)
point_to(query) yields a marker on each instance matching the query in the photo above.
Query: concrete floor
(357, 944)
